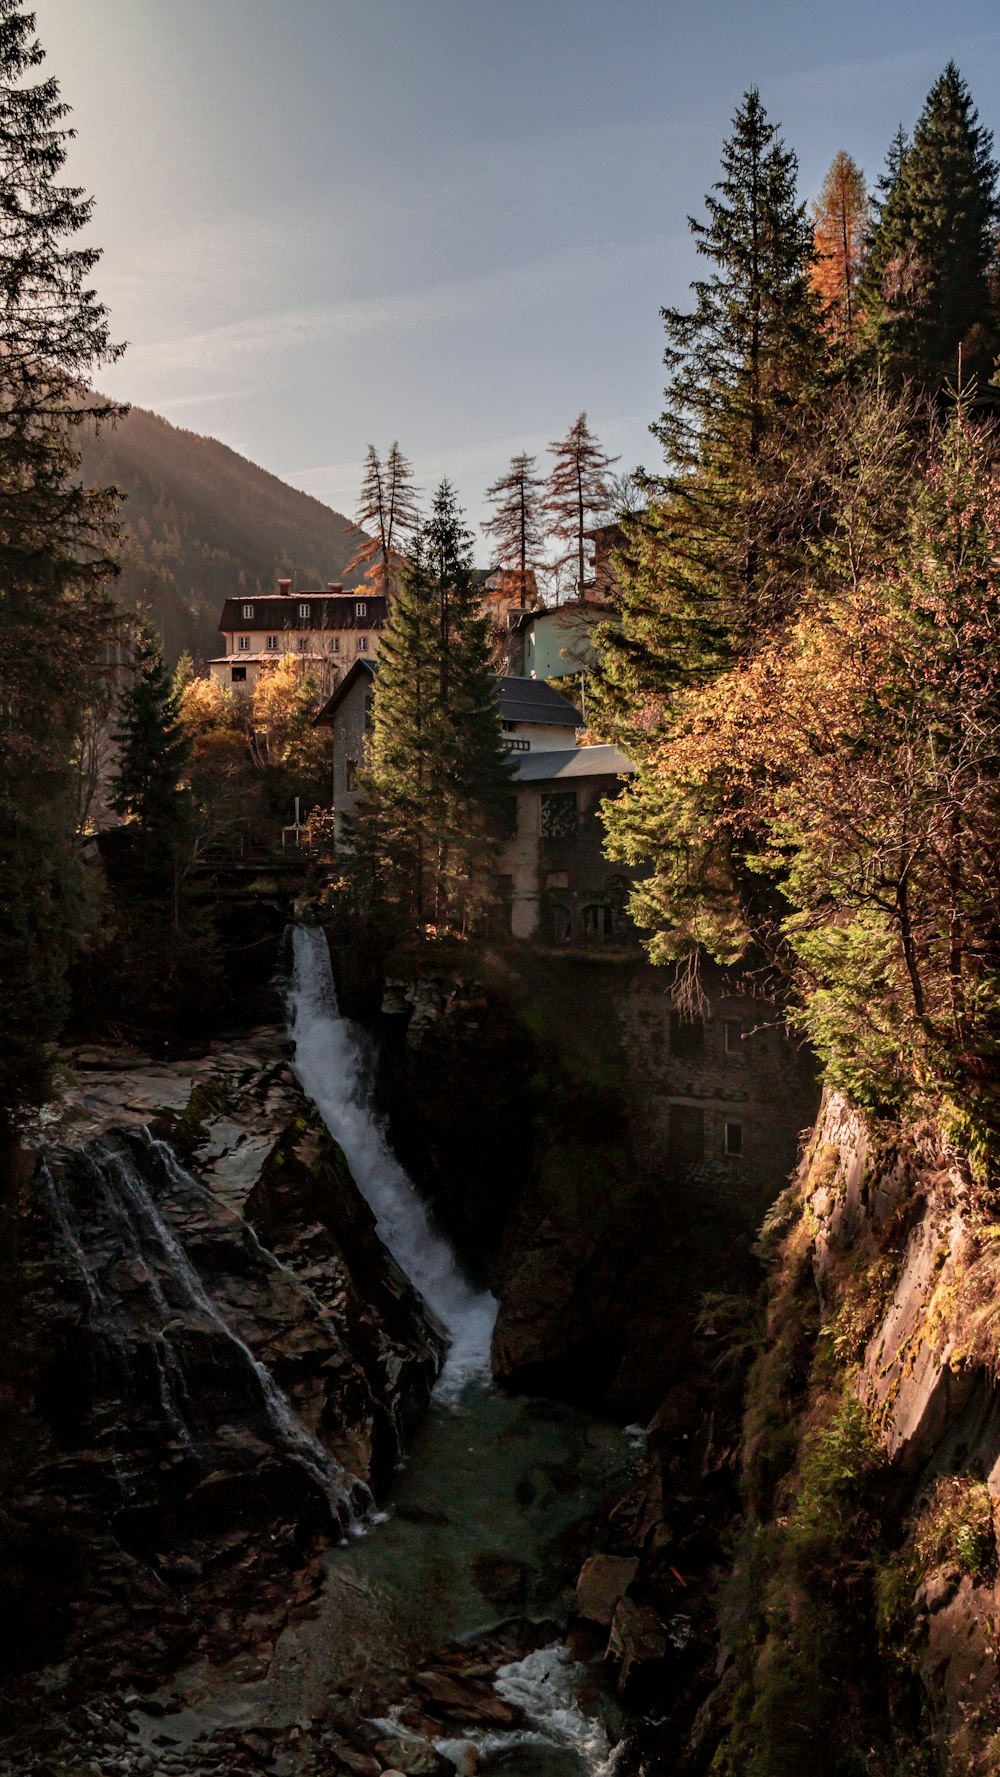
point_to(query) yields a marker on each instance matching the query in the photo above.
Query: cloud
(503, 290)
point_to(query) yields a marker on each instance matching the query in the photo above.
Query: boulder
(604, 1579)
(637, 1644)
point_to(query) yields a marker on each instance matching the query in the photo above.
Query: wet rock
(637, 1644)
(413, 1757)
(603, 1580)
(501, 1580)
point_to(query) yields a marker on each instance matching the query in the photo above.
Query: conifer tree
(153, 749)
(389, 507)
(435, 789)
(840, 226)
(56, 537)
(928, 293)
(578, 492)
(517, 525)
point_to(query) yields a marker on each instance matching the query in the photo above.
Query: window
(272, 642)
(516, 746)
(244, 643)
(361, 610)
(687, 1135)
(734, 1037)
(334, 644)
(248, 612)
(303, 644)
(559, 814)
(562, 925)
(351, 776)
(597, 922)
(734, 1139)
(687, 1038)
(239, 675)
(303, 610)
(362, 644)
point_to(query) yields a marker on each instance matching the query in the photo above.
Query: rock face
(218, 1366)
(871, 1470)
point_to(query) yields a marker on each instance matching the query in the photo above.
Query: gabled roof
(573, 762)
(532, 700)
(363, 668)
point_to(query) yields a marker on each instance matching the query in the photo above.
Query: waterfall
(330, 1068)
(121, 1196)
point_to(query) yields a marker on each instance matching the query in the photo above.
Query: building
(557, 881)
(534, 718)
(555, 641)
(554, 877)
(328, 629)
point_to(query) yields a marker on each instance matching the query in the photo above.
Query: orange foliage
(840, 221)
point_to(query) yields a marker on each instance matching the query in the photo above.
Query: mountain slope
(203, 523)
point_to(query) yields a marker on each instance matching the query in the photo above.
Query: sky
(329, 223)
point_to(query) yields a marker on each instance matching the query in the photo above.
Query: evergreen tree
(55, 540)
(840, 224)
(153, 749)
(184, 675)
(928, 294)
(713, 561)
(517, 525)
(578, 492)
(436, 786)
(389, 507)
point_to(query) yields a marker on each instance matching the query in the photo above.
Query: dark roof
(532, 700)
(571, 762)
(362, 668)
(327, 610)
(521, 700)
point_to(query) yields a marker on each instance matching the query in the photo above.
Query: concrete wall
(349, 735)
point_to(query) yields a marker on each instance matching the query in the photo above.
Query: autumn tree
(840, 227)
(435, 788)
(517, 528)
(577, 493)
(389, 509)
(56, 542)
(928, 290)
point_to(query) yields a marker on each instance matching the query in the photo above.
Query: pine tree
(389, 507)
(715, 564)
(153, 749)
(928, 293)
(840, 225)
(578, 492)
(435, 791)
(517, 526)
(56, 537)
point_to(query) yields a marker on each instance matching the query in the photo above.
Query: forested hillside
(201, 522)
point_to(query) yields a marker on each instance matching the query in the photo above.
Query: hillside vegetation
(201, 523)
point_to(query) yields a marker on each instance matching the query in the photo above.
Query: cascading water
(329, 1065)
(499, 1475)
(119, 1198)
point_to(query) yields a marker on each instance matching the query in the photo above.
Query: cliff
(859, 1624)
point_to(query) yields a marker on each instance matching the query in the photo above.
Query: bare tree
(517, 526)
(388, 510)
(578, 492)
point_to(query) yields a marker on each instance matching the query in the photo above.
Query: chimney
(285, 588)
(334, 586)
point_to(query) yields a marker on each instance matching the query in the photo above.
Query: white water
(329, 1065)
(143, 1231)
(546, 1685)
